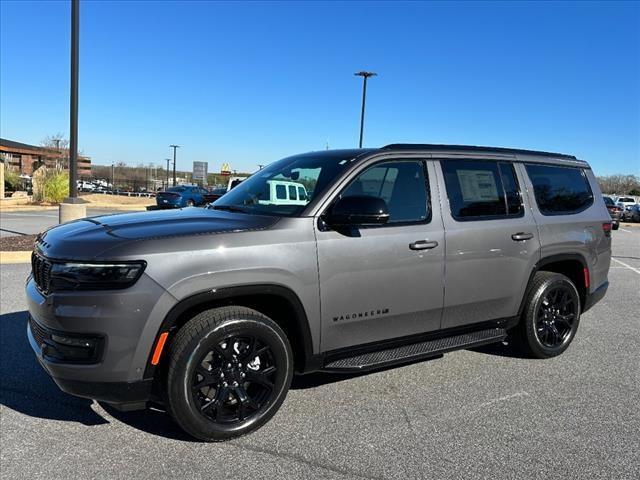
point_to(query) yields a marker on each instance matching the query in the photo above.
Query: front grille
(38, 332)
(41, 270)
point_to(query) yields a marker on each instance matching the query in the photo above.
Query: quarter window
(401, 184)
(480, 190)
(559, 190)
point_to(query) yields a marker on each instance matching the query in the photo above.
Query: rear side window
(560, 190)
(482, 190)
(292, 192)
(281, 192)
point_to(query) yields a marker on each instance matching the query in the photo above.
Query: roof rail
(472, 148)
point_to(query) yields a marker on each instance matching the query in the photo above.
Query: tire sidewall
(537, 298)
(184, 407)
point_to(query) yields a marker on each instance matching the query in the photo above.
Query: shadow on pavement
(26, 388)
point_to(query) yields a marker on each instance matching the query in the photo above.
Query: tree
(61, 145)
(619, 184)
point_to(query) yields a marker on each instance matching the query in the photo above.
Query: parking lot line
(628, 231)
(625, 265)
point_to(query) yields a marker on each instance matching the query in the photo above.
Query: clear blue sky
(250, 83)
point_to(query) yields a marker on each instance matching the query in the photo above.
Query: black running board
(415, 351)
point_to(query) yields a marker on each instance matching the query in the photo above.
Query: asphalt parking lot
(470, 414)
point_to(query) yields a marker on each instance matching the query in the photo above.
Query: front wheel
(230, 370)
(550, 318)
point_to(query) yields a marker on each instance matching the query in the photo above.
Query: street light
(168, 160)
(174, 162)
(365, 76)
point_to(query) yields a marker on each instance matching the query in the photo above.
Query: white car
(625, 203)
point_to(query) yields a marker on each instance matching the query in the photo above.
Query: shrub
(12, 181)
(56, 186)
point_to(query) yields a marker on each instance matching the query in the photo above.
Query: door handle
(521, 236)
(423, 245)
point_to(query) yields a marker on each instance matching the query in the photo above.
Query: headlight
(95, 276)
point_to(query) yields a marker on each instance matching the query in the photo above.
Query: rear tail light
(606, 228)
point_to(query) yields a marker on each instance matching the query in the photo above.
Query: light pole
(113, 176)
(73, 207)
(174, 162)
(365, 76)
(168, 160)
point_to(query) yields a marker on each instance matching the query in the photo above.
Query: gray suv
(340, 261)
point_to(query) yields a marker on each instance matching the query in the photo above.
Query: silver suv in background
(392, 255)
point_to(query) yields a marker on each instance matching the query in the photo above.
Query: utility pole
(174, 162)
(168, 160)
(73, 207)
(365, 76)
(113, 176)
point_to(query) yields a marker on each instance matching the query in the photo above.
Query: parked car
(211, 311)
(181, 196)
(625, 203)
(214, 194)
(634, 213)
(614, 210)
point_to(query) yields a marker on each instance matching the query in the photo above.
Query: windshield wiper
(229, 208)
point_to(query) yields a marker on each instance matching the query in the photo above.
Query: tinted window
(402, 185)
(626, 199)
(478, 190)
(559, 189)
(608, 201)
(301, 194)
(292, 192)
(281, 192)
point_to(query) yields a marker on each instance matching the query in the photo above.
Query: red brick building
(26, 158)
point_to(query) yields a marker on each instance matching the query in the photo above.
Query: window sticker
(477, 186)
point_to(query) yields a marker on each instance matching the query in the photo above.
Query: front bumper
(120, 323)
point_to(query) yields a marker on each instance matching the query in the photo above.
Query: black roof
(471, 148)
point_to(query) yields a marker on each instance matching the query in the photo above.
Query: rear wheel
(550, 318)
(230, 370)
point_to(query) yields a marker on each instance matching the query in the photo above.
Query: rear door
(492, 240)
(384, 282)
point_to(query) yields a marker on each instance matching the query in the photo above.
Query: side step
(414, 351)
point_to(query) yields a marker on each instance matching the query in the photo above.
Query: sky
(249, 83)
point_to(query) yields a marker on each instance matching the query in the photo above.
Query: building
(26, 158)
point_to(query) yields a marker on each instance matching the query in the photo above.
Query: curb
(8, 258)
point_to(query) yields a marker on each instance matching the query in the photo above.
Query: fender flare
(310, 360)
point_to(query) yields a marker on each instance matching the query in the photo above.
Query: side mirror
(358, 210)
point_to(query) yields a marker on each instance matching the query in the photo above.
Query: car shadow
(503, 349)
(26, 388)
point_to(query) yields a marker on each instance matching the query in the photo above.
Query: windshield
(286, 187)
(626, 200)
(176, 189)
(608, 201)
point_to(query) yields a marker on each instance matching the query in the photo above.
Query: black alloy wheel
(229, 371)
(550, 316)
(235, 379)
(557, 311)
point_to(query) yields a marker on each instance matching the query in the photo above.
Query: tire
(615, 226)
(549, 321)
(230, 369)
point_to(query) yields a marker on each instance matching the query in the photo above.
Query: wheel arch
(277, 302)
(572, 265)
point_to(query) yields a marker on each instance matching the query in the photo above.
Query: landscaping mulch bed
(17, 243)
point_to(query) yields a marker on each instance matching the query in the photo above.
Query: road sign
(200, 170)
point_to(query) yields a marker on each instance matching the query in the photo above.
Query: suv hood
(89, 237)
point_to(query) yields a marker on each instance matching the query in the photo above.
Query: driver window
(402, 185)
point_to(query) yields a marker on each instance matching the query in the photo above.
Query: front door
(384, 282)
